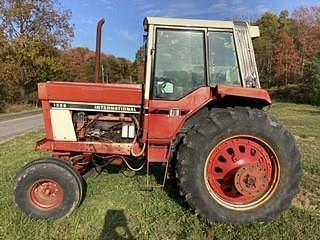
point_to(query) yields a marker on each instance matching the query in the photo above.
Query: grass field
(118, 206)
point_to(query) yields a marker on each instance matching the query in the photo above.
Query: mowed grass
(118, 206)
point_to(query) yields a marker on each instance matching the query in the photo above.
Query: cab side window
(223, 63)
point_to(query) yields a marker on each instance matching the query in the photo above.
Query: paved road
(10, 128)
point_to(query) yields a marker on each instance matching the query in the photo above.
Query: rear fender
(238, 96)
(229, 96)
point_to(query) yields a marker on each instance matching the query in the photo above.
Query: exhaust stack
(98, 50)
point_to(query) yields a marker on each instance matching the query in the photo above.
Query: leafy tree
(4, 70)
(307, 33)
(112, 69)
(41, 20)
(286, 59)
(269, 31)
(140, 65)
(269, 26)
(35, 31)
(90, 67)
(76, 59)
(264, 58)
(284, 21)
(140, 55)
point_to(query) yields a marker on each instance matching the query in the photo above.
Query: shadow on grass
(116, 226)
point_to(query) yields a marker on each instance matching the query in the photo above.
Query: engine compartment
(105, 127)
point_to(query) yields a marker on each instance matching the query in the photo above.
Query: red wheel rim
(242, 172)
(46, 194)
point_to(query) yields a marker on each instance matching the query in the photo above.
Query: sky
(123, 31)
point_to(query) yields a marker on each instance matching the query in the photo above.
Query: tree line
(35, 38)
(288, 54)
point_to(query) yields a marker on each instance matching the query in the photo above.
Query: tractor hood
(123, 94)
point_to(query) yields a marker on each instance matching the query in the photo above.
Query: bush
(293, 93)
(312, 79)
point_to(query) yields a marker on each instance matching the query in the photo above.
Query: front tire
(238, 165)
(48, 189)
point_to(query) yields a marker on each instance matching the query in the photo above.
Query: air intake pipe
(98, 50)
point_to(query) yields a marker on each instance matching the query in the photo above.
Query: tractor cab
(192, 64)
(184, 55)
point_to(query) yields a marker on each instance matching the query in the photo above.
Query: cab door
(178, 81)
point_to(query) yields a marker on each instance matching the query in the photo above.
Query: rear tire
(48, 189)
(261, 172)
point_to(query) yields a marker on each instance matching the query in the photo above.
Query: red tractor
(199, 114)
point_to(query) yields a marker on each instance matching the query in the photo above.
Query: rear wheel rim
(46, 194)
(242, 172)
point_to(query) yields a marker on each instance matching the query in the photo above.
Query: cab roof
(187, 22)
(181, 22)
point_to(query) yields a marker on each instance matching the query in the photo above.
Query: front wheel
(48, 189)
(239, 165)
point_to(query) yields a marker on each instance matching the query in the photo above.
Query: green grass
(117, 205)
